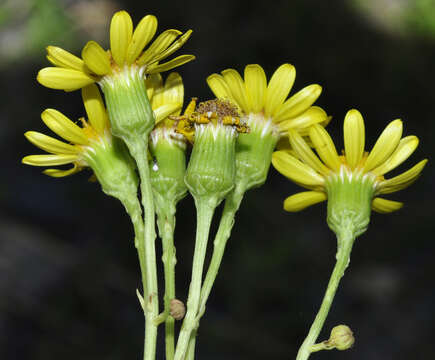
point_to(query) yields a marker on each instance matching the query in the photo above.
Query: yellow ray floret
(313, 171)
(126, 50)
(80, 139)
(254, 95)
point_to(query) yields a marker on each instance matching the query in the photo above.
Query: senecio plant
(138, 137)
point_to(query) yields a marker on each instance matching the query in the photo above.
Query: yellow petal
(325, 147)
(403, 180)
(302, 200)
(158, 45)
(385, 145)
(162, 112)
(354, 137)
(295, 170)
(50, 144)
(153, 82)
(298, 103)
(279, 87)
(63, 79)
(219, 87)
(96, 59)
(142, 35)
(385, 206)
(173, 92)
(62, 58)
(64, 127)
(57, 173)
(256, 86)
(314, 115)
(94, 105)
(178, 61)
(48, 160)
(305, 153)
(174, 47)
(404, 150)
(237, 87)
(121, 32)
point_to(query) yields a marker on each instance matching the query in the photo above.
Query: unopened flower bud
(341, 338)
(177, 309)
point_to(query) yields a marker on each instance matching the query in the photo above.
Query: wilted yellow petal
(173, 92)
(158, 45)
(298, 103)
(153, 82)
(50, 144)
(354, 137)
(325, 147)
(385, 206)
(96, 59)
(256, 86)
(295, 170)
(385, 145)
(57, 173)
(94, 105)
(63, 79)
(121, 32)
(48, 160)
(174, 47)
(178, 61)
(305, 153)
(142, 35)
(279, 87)
(302, 200)
(162, 112)
(62, 58)
(219, 87)
(64, 127)
(237, 87)
(404, 150)
(314, 115)
(403, 180)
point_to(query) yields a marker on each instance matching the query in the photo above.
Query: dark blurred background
(68, 268)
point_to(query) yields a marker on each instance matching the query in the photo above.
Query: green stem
(205, 207)
(232, 204)
(345, 239)
(138, 147)
(132, 206)
(166, 223)
(191, 349)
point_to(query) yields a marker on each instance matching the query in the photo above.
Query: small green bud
(168, 167)
(177, 309)
(350, 196)
(254, 151)
(127, 103)
(341, 338)
(113, 167)
(211, 169)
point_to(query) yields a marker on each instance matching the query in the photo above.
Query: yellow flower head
(81, 140)
(126, 51)
(355, 166)
(266, 102)
(166, 100)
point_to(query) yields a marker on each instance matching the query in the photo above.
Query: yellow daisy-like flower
(126, 51)
(84, 143)
(355, 169)
(266, 102)
(81, 141)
